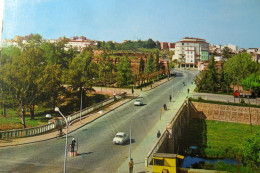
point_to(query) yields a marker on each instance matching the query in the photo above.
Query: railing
(155, 148)
(160, 141)
(45, 128)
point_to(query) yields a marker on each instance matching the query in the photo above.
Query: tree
(51, 83)
(7, 55)
(251, 151)
(124, 72)
(200, 81)
(149, 67)
(207, 80)
(212, 75)
(239, 67)
(252, 83)
(79, 72)
(156, 61)
(141, 70)
(226, 53)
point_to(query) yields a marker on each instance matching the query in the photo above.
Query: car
(138, 102)
(236, 93)
(120, 138)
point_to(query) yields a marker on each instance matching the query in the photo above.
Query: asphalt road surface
(96, 152)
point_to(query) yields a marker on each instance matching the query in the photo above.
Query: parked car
(236, 93)
(120, 138)
(138, 102)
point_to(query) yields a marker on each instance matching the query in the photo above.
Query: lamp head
(57, 109)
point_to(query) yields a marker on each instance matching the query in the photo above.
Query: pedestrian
(114, 94)
(164, 106)
(73, 143)
(158, 134)
(60, 131)
(188, 90)
(131, 165)
(170, 97)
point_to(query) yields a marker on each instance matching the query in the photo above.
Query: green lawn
(12, 121)
(216, 139)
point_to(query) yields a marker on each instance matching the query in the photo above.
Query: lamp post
(81, 98)
(67, 128)
(249, 114)
(130, 140)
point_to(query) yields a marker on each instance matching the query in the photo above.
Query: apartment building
(189, 51)
(80, 43)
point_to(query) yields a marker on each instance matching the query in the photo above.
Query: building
(189, 51)
(233, 48)
(166, 45)
(80, 43)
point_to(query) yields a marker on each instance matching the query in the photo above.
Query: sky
(218, 21)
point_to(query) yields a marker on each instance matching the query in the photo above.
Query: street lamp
(67, 128)
(130, 140)
(81, 98)
(249, 114)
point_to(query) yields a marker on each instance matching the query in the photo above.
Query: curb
(72, 130)
(134, 97)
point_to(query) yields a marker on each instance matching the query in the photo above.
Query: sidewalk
(85, 120)
(140, 152)
(224, 98)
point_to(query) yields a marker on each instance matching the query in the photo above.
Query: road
(96, 151)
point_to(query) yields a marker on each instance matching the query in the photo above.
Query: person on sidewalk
(60, 131)
(188, 90)
(158, 134)
(131, 165)
(170, 97)
(165, 107)
(73, 143)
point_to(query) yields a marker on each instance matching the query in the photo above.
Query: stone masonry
(226, 113)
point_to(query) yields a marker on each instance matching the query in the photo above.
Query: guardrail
(158, 144)
(155, 148)
(16, 133)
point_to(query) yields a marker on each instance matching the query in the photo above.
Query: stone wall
(225, 113)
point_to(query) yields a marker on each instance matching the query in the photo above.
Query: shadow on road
(80, 154)
(128, 142)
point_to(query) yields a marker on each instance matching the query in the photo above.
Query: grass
(225, 139)
(12, 120)
(220, 166)
(217, 139)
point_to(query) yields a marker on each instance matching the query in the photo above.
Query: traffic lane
(29, 155)
(104, 155)
(143, 117)
(36, 156)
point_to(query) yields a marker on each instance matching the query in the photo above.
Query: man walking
(131, 165)
(73, 144)
(170, 97)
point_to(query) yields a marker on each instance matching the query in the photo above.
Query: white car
(138, 102)
(120, 138)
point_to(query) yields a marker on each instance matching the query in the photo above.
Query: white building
(234, 48)
(189, 51)
(80, 45)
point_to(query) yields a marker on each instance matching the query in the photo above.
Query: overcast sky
(218, 21)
